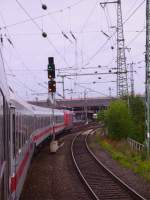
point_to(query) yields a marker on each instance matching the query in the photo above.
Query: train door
(12, 151)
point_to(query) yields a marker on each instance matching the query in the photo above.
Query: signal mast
(51, 96)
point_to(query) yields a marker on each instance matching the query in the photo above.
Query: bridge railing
(136, 146)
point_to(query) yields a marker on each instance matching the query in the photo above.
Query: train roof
(22, 105)
(38, 110)
(19, 104)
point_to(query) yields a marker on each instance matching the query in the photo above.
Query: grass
(122, 153)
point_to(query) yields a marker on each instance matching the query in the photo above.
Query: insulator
(44, 34)
(44, 6)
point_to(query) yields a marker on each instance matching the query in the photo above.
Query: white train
(22, 128)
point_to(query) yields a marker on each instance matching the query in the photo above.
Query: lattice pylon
(122, 80)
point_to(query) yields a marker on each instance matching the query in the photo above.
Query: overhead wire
(109, 24)
(82, 28)
(15, 78)
(37, 25)
(136, 36)
(124, 22)
(44, 15)
(88, 17)
(131, 41)
(95, 82)
(133, 12)
(22, 62)
(90, 89)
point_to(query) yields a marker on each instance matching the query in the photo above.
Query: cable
(107, 20)
(137, 35)
(88, 17)
(94, 82)
(126, 20)
(134, 11)
(49, 41)
(41, 16)
(16, 51)
(93, 90)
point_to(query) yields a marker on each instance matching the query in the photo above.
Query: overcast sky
(26, 52)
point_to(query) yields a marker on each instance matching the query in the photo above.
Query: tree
(123, 121)
(119, 120)
(137, 110)
(101, 116)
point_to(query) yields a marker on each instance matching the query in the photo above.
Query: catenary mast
(147, 86)
(122, 81)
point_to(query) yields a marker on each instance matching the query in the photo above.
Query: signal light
(51, 86)
(51, 68)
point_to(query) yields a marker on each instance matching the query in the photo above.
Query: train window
(23, 130)
(59, 119)
(26, 125)
(13, 133)
(41, 122)
(17, 133)
(19, 130)
(1, 130)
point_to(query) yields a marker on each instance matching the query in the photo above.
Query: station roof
(88, 101)
(69, 103)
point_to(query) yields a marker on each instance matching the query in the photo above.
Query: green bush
(137, 111)
(125, 121)
(119, 122)
(128, 159)
(101, 116)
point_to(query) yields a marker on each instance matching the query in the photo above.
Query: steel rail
(79, 171)
(129, 189)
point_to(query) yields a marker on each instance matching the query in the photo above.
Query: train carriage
(4, 134)
(22, 128)
(31, 125)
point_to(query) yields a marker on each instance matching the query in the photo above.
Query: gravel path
(52, 176)
(132, 179)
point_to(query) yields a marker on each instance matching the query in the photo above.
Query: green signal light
(50, 67)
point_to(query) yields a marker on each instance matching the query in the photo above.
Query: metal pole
(132, 79)
(63, 84)
(147, 85)
(76, 54)
(109, 91)
(86, 110)
(51, 100)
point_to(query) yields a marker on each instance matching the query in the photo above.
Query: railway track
(100, 182)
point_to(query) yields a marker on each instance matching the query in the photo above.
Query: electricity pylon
(122, 80)
(147, 85)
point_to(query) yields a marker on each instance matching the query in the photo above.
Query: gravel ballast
(138, 183)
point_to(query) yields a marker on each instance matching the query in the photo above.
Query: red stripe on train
(36, 137)
(15, 179)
